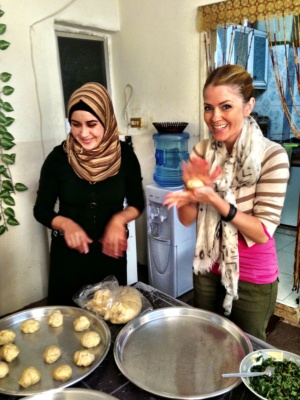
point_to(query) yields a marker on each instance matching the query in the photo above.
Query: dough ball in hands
(30, 326)
(7, 336)
(51, 354)
(62, 373)
(30, 376)
(81, 323)
(194, 184)
(4, 369)
(9, 352)
(90, 339)
(83, 358)
(55, 319)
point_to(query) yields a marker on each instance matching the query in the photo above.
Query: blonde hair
(234, 76)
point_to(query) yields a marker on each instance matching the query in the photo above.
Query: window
(83, 58)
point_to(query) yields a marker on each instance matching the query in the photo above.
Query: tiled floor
(285, 246)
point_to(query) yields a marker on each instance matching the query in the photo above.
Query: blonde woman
(238, 206)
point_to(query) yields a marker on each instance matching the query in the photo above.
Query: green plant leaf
(2, 29)
(8, 158)
(2, 229)
(2, 118)
(4, 44)
(4, 194)
(2, 128)
(9, 212)
(5, 76)
(12, 221)
(6, 144)
(20, 187)
(8, 136)
(7, 107)
(8, 121)
(7, 185)
(1, 13)
(3, 171)
(7, 90)
(9, 201)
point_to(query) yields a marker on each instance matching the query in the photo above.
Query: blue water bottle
(171, 150)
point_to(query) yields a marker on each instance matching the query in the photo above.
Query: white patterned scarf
(217, 240)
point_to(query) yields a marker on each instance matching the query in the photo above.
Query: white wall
(157, 52)
(154, 47)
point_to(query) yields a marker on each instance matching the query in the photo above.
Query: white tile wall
(285, 246)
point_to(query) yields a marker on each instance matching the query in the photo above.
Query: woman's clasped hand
(199, 183)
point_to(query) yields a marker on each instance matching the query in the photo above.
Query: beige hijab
(103, 161)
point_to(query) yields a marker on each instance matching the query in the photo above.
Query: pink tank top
(258, 263)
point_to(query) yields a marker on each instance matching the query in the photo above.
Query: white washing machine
(171, 245)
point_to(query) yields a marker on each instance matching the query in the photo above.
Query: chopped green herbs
(284, 384)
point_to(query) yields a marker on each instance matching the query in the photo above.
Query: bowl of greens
(285, 381)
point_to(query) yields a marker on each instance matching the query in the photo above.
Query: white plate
(32, 346)
(251, 359)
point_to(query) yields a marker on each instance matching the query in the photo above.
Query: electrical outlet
(135, 122)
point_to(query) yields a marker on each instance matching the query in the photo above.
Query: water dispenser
(170, 150)
(171, 245)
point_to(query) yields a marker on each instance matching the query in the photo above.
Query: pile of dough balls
(118, 309)
(30, 375)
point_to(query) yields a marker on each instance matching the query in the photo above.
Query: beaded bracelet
(231, 214)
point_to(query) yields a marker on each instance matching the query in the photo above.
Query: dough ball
(9, 352)
(128, 305)
(62, 373)
(30, 376)
(51, 354)
(83, 358)
(90, 339)
(100, 301)
(102, 295)
(4, 370)
(81, 324)
(55, 319)
(30, 326)
(7, 336)
(194, 184)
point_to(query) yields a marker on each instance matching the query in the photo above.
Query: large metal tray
(32, 347)
(73, 394)
(181, 353)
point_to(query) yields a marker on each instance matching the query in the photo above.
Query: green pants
(251, 312)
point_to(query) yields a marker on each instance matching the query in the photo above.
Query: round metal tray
(181, 353)
(73, 394)
(32, 346)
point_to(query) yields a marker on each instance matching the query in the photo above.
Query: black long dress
(91, 206)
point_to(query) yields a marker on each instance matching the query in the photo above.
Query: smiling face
(224, 112)
(86, 129)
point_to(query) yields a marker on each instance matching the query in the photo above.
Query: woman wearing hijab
(90, 175)
(243, 178)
